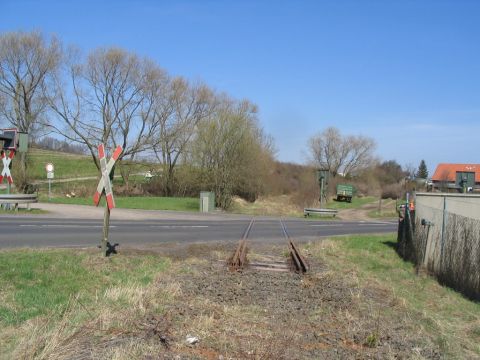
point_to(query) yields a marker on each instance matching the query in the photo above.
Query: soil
(283, 315)
(362, 212)
(251, 314)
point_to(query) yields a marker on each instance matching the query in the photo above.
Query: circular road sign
(49, 167)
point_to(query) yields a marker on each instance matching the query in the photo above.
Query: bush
(392, 191)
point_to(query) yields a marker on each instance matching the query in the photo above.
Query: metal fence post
(444, 220)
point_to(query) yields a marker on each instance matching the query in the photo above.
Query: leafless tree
(26, 60)
(109, 99)
(232, 151)
(341, 154)
(176, 118)
(410, 170)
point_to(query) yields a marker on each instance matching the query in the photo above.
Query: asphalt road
(34, 231)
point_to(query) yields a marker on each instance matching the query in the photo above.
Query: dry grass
(366, 303)
(447, 317)
(273, 205)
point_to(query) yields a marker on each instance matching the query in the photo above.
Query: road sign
(104, 183)
(50, 175)
(6, 167)
(49, 167)
(9, 137)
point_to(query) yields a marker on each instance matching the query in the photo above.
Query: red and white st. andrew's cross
(104, 182)
(6, 167)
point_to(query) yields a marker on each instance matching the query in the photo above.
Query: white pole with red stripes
(105, 187)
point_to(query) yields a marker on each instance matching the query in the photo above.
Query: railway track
(239, 258)
(238, 261)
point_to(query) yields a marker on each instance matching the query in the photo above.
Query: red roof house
(451, 175)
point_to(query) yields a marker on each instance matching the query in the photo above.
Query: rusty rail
(297, 261)
(239, 259)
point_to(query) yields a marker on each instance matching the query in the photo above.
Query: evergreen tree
(422, 170)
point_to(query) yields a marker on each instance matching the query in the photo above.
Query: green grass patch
(139, 202)
(34, 283)
(445, 314)
(66, 165)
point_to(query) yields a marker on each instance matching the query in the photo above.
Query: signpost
(105, 187)
(50, 175)
(322, 178)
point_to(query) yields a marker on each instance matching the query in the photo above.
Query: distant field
(66, 165)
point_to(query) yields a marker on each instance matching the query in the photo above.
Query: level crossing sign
(6, 167)
(104, 183)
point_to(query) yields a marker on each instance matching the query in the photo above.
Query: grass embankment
(445, 315)
(283, 205)
(68, 165)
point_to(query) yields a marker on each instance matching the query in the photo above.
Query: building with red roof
(457, 176)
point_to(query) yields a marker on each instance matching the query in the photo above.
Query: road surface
(41, 231)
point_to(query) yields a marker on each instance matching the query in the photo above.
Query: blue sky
(406, 73)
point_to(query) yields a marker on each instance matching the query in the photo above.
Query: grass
(35, 283)
(138, 202)
(439, 311)
(67, 165)
(269, 205)
(61, 303)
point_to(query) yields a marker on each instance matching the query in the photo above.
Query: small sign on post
(50, 175)
(105, 187)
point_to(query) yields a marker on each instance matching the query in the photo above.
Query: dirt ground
(362, 213)
(275, 315)
(282, 315)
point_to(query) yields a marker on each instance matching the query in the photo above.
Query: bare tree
(232, 151)
(341, 154)
(410, 170)
(176, 118)
(107, 99)
(26, 60)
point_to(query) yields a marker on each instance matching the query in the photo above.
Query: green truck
(344, 192)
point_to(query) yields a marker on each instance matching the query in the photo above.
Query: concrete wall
(467, 205)
(436, 208)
